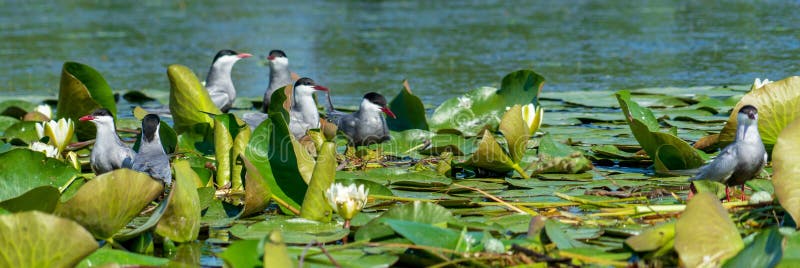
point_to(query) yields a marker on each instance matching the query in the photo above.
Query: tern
(367, 125)
(303, 114)
(151, 158)
(109, 153)
(218, 81)
(279, 75)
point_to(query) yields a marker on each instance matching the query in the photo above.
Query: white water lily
(532, 116)
(60, 132)
(45, 148)
(347, 200)
(45, 110)
(760, 83)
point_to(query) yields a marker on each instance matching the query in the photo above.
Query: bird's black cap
(376, 98)
(102, 112)
(277, 53)
(224, 52)
(150, 126)
(304, 81)
(749, 110)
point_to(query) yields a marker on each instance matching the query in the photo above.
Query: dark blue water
(442, 47)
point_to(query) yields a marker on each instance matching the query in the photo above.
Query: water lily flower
(45, 110)
(60, 132)
(45, 148)
(532, 116)
(347, 200)
(760, 83)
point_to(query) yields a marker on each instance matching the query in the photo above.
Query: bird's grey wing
(254, 119)
(336, 117)
(220, 99)
(720, 169)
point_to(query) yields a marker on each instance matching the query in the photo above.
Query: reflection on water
(443, 47)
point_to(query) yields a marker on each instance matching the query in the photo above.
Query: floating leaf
(515, 131)
(765, 251)
(490, 155)
(294, 230)
(557, 232)
(653, 238)
(480, 107)
(409, 110)
(778, 104)
(425, 234)
(315, 207)
(107, 203)
(705, 234)
(243, 254)
(421, 212)
(25, 131)
(256, 190)
(82, 91)
(786, 166)
(556, 157)
(189, 102)
(22, 170)
(43, 198)
(103, 257)
(36, 239)
(225, 129)
(181, 221)
(289, 187)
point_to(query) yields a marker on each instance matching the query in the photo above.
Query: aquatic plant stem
(587, 202)
(523, 210)
(285, 205)
(347, 227)
(521, 171)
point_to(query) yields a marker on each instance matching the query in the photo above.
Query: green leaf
(200, 138)
(556, 157)
(705, 234)
(243, 254)
(189, 102)
(290, 159)
(490, 155)
(36, 239)
(294, 230)
(425, 234)
(791, 252)
(225, 129)
(515, 131)
(110, 201)
(652, 238)
(778, 104)
(275, 252)
(6, 122)
(240, 142)
(181, 221)
(786, 166)
(259, 151)
(43, 198)
(315, 207)
(83, 90)
(468, 114)
(256, 190)
(22, 170)
(765, 251)
(409, 110)
(106, 256)
(557, 232)
(421, 212)
(410, 141)
(25, 131)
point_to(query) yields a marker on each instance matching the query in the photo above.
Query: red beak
(244, 55)
(270, 57)
(388, 112)
(321, 88)
(86, 118)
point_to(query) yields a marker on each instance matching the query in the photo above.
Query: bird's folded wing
(720, 169)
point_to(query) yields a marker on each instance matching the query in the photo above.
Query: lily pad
(786, 166)
(778, 104)
(275, 253)
(705, 234)
(421, 212)
(22, 170)
(36, 239)
(765, 251)
(256, 190)
(105, 256)
(189, 102)
(480, 107)
(294, 230)
(107, 203)
(653, 238)
(43, 198)
(242, 254)
(315, 206)
(84, 90)
(181, 221)
(24, 130)
(409, 110)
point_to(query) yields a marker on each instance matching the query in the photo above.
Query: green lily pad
(778, 104)
(107, 203)
(85, 90)
(315, 206)
(294, 230)
(786, 166)
(409, 110)
(243, 254)
(181, 221)
(653, 238)
(105, 256)
(765, 251)
(6, 122)
(199, 139)
(421, 212)
(43, 198)
(24, 130)
(256, 190)
(275, 252)
(490, 155)
(22, 170)
(480, 107)
(426, 234)
(36, 239)
(705, 234)
(225, 129)
(189, 102)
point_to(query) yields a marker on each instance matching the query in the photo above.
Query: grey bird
(741, 160)
(365, 126)
(303, 114)
(109, 153)
(151, 158)
(279, 75)
(218, 81)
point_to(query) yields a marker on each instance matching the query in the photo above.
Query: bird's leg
(727, 193)
(743, 196)
(691, 191)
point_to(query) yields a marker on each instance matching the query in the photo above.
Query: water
(442, 47)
